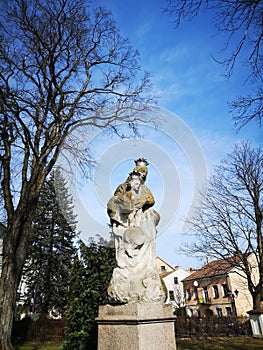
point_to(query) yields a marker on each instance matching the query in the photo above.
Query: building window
(188, 294)
(175, 280)
(215, 291)
(228, 311)
(163, 268)
(225, 290)
(195, 294)
(191, 312)
(219, 312)
(205, 294)
(171, 295)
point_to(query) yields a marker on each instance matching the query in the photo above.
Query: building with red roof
(218, 288)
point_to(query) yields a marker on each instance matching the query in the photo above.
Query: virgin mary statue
(135, 278)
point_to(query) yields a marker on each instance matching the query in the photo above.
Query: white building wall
(175, 290)
(238, 281)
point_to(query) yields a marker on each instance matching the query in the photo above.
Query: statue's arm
(146, 199)
(122, 189)
(150, 198)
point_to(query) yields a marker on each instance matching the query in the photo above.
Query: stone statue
(135, 278)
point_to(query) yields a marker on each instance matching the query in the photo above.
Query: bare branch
(241, 23)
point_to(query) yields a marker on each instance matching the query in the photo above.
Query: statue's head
(135, 180)
(141, 167)
(142, 170)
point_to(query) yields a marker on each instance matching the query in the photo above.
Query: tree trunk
(257, 296)
(8, 298)
(15, 242)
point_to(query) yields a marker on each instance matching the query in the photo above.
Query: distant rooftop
(214, 268)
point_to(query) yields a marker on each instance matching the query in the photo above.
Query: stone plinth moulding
(136, 327)
(256, 321)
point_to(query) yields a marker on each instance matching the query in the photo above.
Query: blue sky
(193, 97)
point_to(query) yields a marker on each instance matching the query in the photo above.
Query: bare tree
(241, 23)
(63, 63)
(179, 299)
(230, 222)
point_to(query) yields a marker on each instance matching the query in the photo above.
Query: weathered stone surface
(136, 327)
(137, 318)
(135, 278)
(256, 322)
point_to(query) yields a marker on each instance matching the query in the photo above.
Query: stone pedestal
(136, 327)
(256, 321)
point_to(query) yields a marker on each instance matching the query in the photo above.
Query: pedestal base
(136, 327)
(256, 322)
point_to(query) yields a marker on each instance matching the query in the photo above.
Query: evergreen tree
(90, 277)
(52, 252)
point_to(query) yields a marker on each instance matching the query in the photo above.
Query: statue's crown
(141, 162)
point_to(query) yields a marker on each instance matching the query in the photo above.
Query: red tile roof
(215, 268)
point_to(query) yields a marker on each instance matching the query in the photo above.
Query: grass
(39, 346)
(244, 343)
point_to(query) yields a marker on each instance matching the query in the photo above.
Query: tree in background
(63, 64)
(230, 222)
(90, 277)
(51, 254)
(179, 300)
(241, 21)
